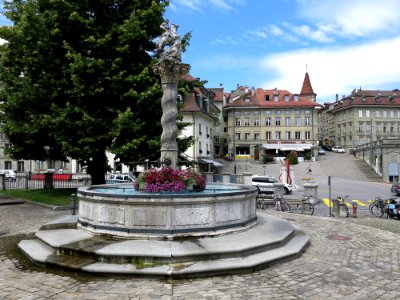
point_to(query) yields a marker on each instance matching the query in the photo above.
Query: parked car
(326, 147)
(321, 151)
(395, 188)
(338, 149)
(120, 178)
(9, 174)
(266, 183)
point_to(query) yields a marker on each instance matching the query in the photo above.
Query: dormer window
(363, 98)
(276, 97)
(247, 100)
(296, 98)
(266, 97)
(287, 97)
(378, 98)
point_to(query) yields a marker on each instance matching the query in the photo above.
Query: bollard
(354, 206)
(73, 203)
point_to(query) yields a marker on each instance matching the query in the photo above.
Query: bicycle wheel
(308, 208)
(344, 209)
(285, 206)
(376, 211)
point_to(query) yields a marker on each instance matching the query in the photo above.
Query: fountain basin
(121, 212)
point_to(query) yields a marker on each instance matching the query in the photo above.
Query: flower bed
(165, 179)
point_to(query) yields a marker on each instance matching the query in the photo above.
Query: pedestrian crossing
(328, 202)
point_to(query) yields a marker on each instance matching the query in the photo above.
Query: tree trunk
(98, 168)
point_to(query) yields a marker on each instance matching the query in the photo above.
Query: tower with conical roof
(307, 90)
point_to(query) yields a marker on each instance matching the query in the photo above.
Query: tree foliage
(76, 76)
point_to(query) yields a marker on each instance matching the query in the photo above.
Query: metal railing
(40, 181)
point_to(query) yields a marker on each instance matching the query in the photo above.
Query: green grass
(57, 197)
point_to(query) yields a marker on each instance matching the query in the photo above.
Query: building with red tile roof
(270, 121)
(361, 117)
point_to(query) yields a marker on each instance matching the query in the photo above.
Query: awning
(287, 147)
(210, 161)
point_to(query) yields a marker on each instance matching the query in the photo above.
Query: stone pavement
(345, 260)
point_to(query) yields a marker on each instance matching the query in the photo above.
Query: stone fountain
(123, 231)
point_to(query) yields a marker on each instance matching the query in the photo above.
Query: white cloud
(221, 4)
(336, 70)
(316, 35)
(352, 18)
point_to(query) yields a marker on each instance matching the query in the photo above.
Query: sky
(342, 44)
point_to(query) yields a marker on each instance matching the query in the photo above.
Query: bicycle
(307, 206)
(342, 206)
(378, 207)
(281, 204)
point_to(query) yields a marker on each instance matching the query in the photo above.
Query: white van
(266, 183)
(9, 174)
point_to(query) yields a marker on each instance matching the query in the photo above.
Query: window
(391, 114)
(200, 150)
(286, 97)
(208, 135)
(378, 113)
(307, 112)
(360, 113)
(297, 135)
(8, 165)
(238, 122)
(297, 112)
(247, 122)
(278, 112)
(200, 129)
(266, 98)
(256, 136)
(287, 135)
(256, 122)
(237, 136)
(384, 128)
(307, 121)
(360, 127)
(391, 128)
(368, 128)
(247, 113)
(20, 167)
(268, 112)
(296, 98)
(247, 136)
(268, 135)
(297, 121)
(277, 135)
(237, 113)
(288, 112)
(268, 121)
(288, 121)
(378, 128)
(256, 113)
(277, 121)
(307, 135)
(385, 114)
(276, 97)
(367, 113)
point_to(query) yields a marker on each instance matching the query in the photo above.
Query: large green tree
(76, 77)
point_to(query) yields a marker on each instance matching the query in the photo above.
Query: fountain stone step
(272, 239)
(259, 238)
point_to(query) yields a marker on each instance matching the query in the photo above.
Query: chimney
(337, 97)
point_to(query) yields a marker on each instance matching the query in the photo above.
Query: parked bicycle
(342, 208)
(281, 204)
(307, 206)
(378, 207)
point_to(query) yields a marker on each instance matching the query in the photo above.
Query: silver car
(266, 183)
(120, 178)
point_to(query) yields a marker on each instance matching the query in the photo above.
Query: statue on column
(170, 69)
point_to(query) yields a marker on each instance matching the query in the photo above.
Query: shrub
(266, 158)
(293, 159)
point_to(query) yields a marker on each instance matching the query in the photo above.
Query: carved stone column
(170, 73)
